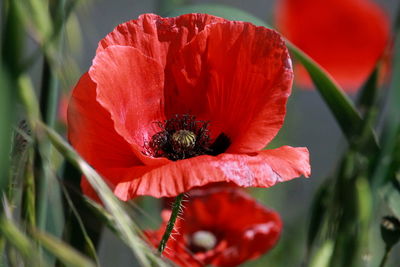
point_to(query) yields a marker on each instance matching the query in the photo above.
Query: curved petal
(157, 37)
(161, 39)
(346, 37)
(91, 130)
(241, 87)
(130, 88)
(262, 169)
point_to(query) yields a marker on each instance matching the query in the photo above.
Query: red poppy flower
(175, 103)
(219, 227)
(346, 37)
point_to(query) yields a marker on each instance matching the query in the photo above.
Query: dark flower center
(202, 241)
(183, 137)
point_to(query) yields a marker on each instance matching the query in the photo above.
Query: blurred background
(309, 123)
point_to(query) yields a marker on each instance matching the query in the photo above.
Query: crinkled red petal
(241, 86)
(261, 169)
(130, 87)
(238, 77)
(156, 37)
(91, 131)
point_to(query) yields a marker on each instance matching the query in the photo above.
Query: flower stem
(385, 257)
(176, 206)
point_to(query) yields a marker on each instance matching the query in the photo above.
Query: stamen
(183, 137)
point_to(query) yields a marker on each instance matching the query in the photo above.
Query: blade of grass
(319, 211)
(28, 212)
(369, 92)
(11, 50)
(48, 100)
(322, 256)
(6, 111)
(391, 129)
(89, 243)
(36, 17)
(124, 224)
(340, 105)
(61, 250)
(81, 223)
(21, 242)
(12, 39)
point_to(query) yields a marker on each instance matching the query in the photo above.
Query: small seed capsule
(183, 140)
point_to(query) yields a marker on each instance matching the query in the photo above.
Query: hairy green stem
(170, 225)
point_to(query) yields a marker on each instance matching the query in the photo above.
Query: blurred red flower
(221, 228)
(175, 103)
(346, 37)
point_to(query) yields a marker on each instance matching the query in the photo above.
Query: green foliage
(62, 251)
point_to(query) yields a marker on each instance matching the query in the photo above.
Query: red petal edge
(262, 169)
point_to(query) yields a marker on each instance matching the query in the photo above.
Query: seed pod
(390, 230)
(183, 140)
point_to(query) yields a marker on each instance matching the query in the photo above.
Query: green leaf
(319, 210)
(67, 255)
(88, 244)
(339, 103)
(391, 131)
(6, 115)
(369, 91)
(12, 43)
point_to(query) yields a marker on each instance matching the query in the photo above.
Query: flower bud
(390, 230)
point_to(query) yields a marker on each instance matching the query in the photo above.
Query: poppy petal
(241, 87)
(262, 169)
(254, 230)
(91, 132)
(161, 39)
(244, 228)
(157, 37)
(136, 99)
(346, 37)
